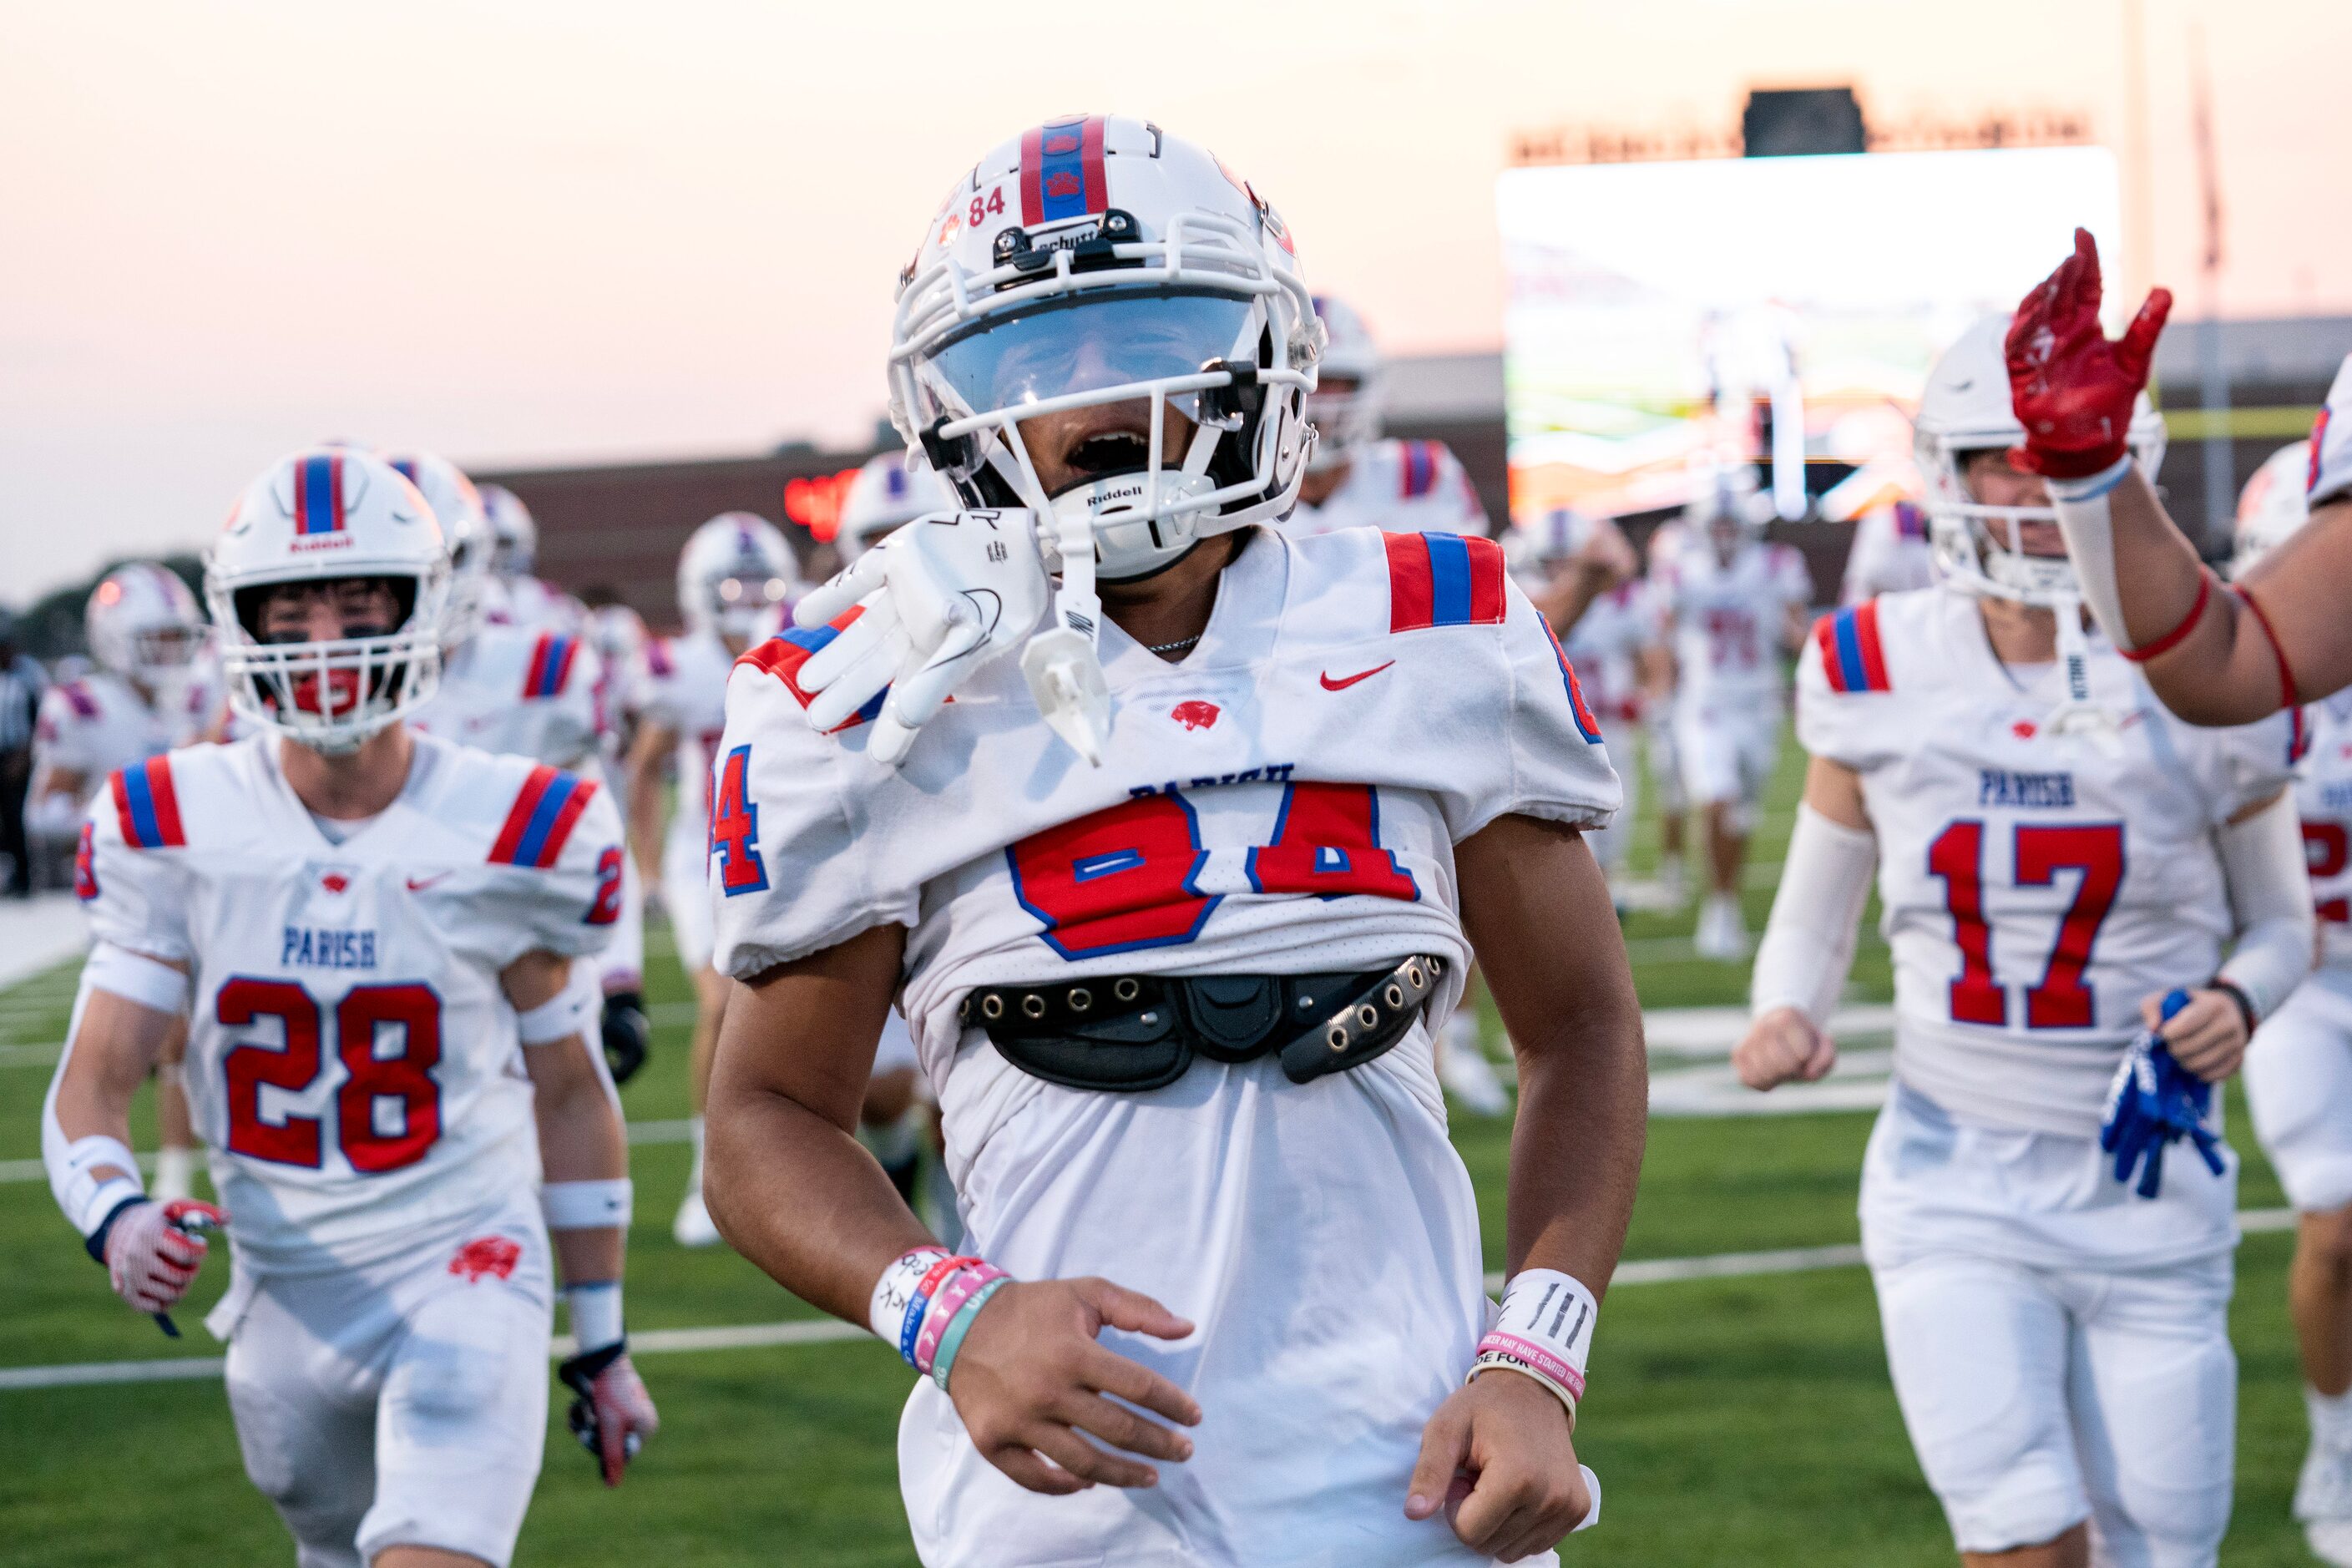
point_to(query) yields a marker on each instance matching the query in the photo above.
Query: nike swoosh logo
(418, 884)
(1346, 681)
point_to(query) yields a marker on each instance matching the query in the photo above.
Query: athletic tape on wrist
(596, 1313)
(951, 1342)
(2090, 531)
(136, 977)
(886, 1309)
(86, 1199)
(587, 1205)
(1545, 1328)
(575, 1010)
(2090, 487)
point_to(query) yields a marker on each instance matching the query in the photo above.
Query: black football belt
(1134, 1032)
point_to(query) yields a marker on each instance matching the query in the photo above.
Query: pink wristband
(1536, 1356)
(942, 1310)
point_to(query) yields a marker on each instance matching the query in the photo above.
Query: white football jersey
(1285, 799)
(1725, 621)
(682, 687)
(2033, 887)
(523, 693)
(1605, 646)
(351, 1060)
(1890, 553)
(2330, 478)
(99, 722)
(1418, 487)
(2323, 796)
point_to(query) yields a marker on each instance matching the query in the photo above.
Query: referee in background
(21, 685)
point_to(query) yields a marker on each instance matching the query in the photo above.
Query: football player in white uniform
(735, 579)
(1731, 604)
(511, 596)
(2299, 1068)
(1665, 762)
(890, 490)
(528, 691)
(1890, 553)
(2054, 853)
(155, 685)
(1175, 899)
(1355, 477)
(374, 934)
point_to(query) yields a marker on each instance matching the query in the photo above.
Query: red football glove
(2072, 388)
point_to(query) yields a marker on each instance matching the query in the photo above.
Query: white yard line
(828, 1330)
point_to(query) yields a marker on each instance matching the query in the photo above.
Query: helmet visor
(1093, 342)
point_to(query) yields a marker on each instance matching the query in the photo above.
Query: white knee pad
(2299, 1088)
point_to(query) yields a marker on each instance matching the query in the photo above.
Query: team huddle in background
(1125, 829)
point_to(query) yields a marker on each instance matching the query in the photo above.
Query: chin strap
(2078, 714)
(1064, 664)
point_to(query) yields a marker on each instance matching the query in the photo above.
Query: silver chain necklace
(1180, 644)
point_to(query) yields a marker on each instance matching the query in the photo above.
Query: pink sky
(539, 232)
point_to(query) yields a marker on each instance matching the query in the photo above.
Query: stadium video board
(1663, 319)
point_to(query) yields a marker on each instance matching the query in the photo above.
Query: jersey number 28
(2059, 1000)
(405, 1079)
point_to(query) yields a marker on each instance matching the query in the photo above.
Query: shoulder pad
(782, 654)
(147, 806)
(548, 803)
(1853, 658)
(1444, 580)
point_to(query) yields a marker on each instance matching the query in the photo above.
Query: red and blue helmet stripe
(541, 818)
(319, 493)
(550, 665)
(146, 806)
(1444, 580)
(1851, 655)
(1062, 170)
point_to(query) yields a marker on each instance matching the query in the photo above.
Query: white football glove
(942, 597)
(611, 1414)
(153, 1251)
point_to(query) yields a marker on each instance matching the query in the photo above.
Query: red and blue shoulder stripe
(782, 654)
(550, 665)
(1851, 655)
(78, 698)
(541, 818)
(1444, 580)
(147, 806)
(2318, 444)
(1586, 725)
(1419, 469)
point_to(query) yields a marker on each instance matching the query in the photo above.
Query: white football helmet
(323, 515)
(1966, 409)
(1345, 422)
(1726, 508)
(1095, 260)
(464, 529)
(143, 624)
(619, 636)
(2273, 505)
(736, 577)
(514, 533)
(890, 489)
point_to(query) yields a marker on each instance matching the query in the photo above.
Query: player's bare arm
(2215, 655)
(795, 1192)
(1536, 909)
(1605, 560)
(649, 753)
(1812, 920)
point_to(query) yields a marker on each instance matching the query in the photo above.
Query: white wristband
(596, 1313)
(136, 977)
(575, 1010)
(1546, 1329)
(587, 1205)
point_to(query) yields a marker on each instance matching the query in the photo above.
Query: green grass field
(1743, 1421)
